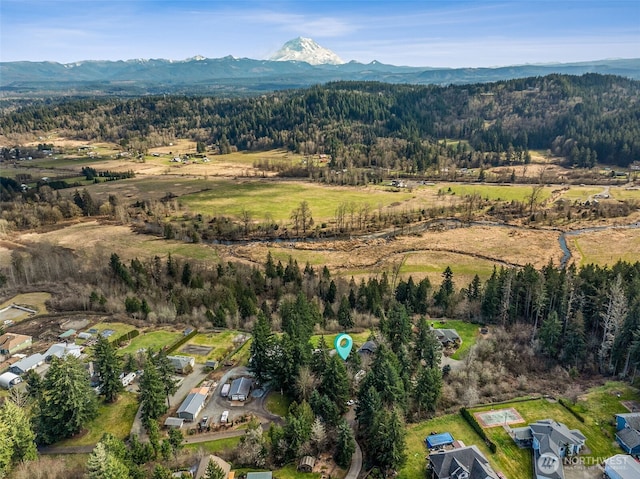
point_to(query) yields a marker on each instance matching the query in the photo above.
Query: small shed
(85, 335)
(260, 475)
(8, 380)
(68, 334)
(439, 440)
(174, 422)
(306, 464)
(211, 363)
(240, 389)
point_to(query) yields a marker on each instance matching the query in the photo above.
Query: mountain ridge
(306, 50)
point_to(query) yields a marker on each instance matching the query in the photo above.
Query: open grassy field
(625, 193)
(29, 300)
(493, 192)
(279, 198)
(119, 328)
(595, 247)
(214, 447)
(151, 340)
(220, 342)
(468, 332)
(114, 418)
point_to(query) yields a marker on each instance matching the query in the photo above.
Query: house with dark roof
(551, 441)
(368, 348)
(628, 432)
(447, 337)
(464, 463)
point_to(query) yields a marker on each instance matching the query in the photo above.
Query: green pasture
(115, 418)
(469, 333)
(493, 192)
(286, 472)
(221, 343)
(151, 340)
(581, 193)
(623, 193)
(278, 199)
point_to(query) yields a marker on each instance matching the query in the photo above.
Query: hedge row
(477, 428)
(127, 336)
(568, 407)
(181, 341)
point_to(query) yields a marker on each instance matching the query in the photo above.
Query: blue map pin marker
(343, 344)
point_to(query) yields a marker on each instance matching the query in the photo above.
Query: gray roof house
(27, 364)
(368, 348)
(447, 336)
(61, 350)
(465, 462)
(551, 441)
(182, 364)
(628, 432)
(240, 389)
(621, 466)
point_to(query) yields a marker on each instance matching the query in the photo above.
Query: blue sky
(419, 33)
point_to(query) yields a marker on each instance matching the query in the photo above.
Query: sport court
(499, 417)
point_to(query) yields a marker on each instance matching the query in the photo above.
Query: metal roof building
(191, 406)
(240, 389)
(8, 380)
(27, 364)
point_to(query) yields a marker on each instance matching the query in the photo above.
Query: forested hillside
(587, 119)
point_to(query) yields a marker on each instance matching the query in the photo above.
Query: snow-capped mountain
(306, 50)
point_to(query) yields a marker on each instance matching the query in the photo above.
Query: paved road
(356, 464)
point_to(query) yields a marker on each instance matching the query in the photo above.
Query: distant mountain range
(239, 76)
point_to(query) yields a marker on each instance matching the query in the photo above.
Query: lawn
(287, 472)
(114, 418)
(221, 343)
(468, 332)
(214, 447)
(278, 404)
(151, 340)
(241, 356)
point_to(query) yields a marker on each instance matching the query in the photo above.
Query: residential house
(60, 350)
(368, 348)
(204, 463)
(464, 463)
(240, 389)
(193, 404)
(621, 466)
(551, 441)
(182, 364)
(447, 337)
(12, 343)
(628, 432)
(8, 380)
(27, 364)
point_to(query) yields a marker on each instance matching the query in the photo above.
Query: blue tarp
(436, 440)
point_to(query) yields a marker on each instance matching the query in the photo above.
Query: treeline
(590, 118)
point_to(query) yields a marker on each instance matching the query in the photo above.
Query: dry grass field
(605, 247)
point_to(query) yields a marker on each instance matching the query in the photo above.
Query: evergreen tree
(345, 445)
(152, 394)
(550, 333)
(161, 472)
(344, 314)
(427, 347)
(166, 372)
(214, 471)
(387, 443)
(6, 449)
(262, 350)
(574, 344)
(444, 296)
(108, 367)
(67, 402)
(428, 389)
(335, 383)
(103, 465)
(369, 403)
(20, 432)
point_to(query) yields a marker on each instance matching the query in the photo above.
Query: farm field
(493, 192)
(150, 340)
(114, 418)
